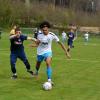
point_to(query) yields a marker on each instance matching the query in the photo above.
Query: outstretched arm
(34, 40)
(64, 48)
(12, 36)
(33, 45)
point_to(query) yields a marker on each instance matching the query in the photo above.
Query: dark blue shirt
(70, 36)
(17, 43)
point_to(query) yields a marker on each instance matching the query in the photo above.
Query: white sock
(15, 73)
(49, 80)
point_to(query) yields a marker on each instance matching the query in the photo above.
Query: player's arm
(74, 37)
(33, 45)
(70, 35)
(61, 44)
(64, 48)
(34, 40)
(12, 36)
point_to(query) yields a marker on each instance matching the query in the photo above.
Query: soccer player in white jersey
(86, 37)
(44, 51)
(64, 37)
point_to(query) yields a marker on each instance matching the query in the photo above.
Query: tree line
(85, 5)
(60, 12)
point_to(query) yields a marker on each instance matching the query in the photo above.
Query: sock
(37, 69)
(13, 68)
(15, 74)
(49, 72)
(27, 64)
(49, 80)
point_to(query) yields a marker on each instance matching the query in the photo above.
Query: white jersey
(64, 35)
(86, 36)
(46, 42)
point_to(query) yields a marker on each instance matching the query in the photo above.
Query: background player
(86, 37)
(64, 37)
(71, 38)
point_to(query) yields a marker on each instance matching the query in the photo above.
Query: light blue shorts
(44, 56)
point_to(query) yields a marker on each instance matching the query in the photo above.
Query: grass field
(75, 79)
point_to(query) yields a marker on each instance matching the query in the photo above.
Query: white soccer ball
(47, 86)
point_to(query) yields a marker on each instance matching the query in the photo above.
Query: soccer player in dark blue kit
(71, 38)
(17, 51)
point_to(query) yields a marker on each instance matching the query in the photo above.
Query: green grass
(75, 79)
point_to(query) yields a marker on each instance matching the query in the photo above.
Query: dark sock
(13, 69)
(27, 65)
(68, 49)
(37, 69)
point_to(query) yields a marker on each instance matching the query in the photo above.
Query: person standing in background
(86, 38)
(64, 37)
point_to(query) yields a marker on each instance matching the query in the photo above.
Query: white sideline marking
(89, 44)
(84, 60)
(4, 49)
(80, 60)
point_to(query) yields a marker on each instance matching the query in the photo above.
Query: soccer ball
(47, 86)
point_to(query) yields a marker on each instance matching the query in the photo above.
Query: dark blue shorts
(70, 43)
(14, 55)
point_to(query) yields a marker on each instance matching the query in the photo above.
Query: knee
(12, 61)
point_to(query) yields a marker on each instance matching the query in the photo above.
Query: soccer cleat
(31, 72)
(36, 74)
(51, 83)
(14, 77)
(72, 46)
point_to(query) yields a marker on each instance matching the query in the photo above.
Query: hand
(32, 45)
(17, 35)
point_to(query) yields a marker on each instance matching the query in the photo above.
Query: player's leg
(62, 40)
(86, 41)
(68, 49)
(13, 59)
(23, 57)
(49, 70)
(38, 63)
(0, 35)
(48, 59)
(70, 45)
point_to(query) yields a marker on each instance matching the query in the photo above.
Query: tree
(27, 2)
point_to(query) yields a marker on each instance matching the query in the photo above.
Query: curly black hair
(45, 24)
